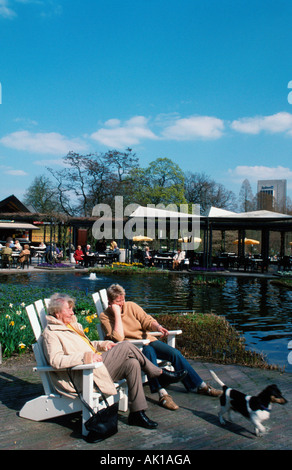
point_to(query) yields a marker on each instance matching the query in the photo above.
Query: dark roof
(12, 204)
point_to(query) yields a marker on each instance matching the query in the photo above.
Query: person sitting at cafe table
(148, 260)
(24, 256)
(17, 246)
(114, 250)
(178, 258)
(10, 241)
(6, 254)
(78, 254)
(89, 257)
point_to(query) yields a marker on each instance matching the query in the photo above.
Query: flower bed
(54, 266)
(16, 335)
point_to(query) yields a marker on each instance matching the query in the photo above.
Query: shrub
(210, 337)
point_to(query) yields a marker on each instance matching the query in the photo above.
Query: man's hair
(114, 291)
(57, 301)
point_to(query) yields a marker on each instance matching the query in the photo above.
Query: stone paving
(194, 426)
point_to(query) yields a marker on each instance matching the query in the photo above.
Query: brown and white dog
(255, 408)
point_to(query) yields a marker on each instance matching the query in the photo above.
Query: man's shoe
(139, 418)
(208, 390)
(168, 377)
(167, 402)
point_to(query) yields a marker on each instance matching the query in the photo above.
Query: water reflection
(261, 311)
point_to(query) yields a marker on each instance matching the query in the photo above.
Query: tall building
(272, 195)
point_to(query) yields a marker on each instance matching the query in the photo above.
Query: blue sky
(204, 83)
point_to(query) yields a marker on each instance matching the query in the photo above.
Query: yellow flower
(88, 319)
(21, 345)
(86, 330)
(7, 316)
(11, 323)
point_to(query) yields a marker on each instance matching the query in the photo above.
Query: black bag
(102, 424)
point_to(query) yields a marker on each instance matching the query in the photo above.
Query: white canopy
(18, 226)
(153, 212)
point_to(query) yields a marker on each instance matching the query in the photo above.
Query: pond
(260, 311)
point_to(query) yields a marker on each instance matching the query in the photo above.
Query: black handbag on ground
(102, 424)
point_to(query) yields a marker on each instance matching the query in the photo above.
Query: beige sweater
(136, 323)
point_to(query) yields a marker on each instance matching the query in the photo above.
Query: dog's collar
(266, 409)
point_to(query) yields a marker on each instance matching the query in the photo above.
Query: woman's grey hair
(114, 291)
(57, 301)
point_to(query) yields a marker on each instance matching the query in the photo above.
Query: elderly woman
(65, 345)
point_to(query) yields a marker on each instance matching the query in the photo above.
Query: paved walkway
(194, 426)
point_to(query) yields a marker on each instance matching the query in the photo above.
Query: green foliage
(162, 182)
(210, 337)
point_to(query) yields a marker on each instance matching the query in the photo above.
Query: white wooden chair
(52, 404)
(290, 353)
(101, 303)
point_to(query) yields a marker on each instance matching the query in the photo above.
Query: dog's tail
(217, 378)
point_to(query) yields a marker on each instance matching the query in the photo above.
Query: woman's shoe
(139, 418)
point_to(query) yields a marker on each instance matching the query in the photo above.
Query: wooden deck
(194, 426)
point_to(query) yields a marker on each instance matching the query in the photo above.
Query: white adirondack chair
(290, 353)
(101, 303)
(52, 404)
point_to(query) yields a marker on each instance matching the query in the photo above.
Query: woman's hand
(97, 358)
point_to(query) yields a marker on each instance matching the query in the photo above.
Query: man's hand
(157, 327)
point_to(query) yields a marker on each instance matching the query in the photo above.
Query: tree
(42, 195)
(88, 180)
(162, 182)
(246, 197)
(201, 189)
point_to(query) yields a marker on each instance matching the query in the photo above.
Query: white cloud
(194, 127)
(8, 170)
(117, 135)
(255, 173)
(51, 162)
(41, 142)
(5, 11)
(276, 123)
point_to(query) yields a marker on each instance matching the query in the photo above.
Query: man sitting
(126, 320)
(178, 258)
(6, 255)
